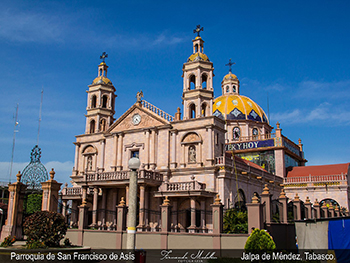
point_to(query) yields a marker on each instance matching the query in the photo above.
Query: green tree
(258, 241)
(33, 203)
(235, 222)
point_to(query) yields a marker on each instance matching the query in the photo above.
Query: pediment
(148, 119)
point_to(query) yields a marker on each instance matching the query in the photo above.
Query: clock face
(136, 119)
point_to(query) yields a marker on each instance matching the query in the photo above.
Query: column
(165, 215)
(121, 216)
(74, 215)
(115, 151)
(255, 219)
(94, 207)
(64, 208)
(76, 159)
(120, 152)
(165, 223)
(102, 160)
(317, 209)
(217, 222)
(203, 222)
(127, 194)
(153, 149)
(141, 225)
(146, 208)
(192, 227)
(84, 190)
(103, 208)
(210, 144)
(266, 201)
(83, 219)
(308, 206)
(182, 164)
(13, 224)
(297, 204)
(174, 215)
(173, 149)
(284, 213)
(325, 210)
(50, 193)
(147, 148)
(114, 205)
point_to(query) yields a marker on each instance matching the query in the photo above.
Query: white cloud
(29, 27)
(323, 112)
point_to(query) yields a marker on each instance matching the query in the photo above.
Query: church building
(212, 146)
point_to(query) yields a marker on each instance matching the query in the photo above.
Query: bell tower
(197, 81)
(230, 83)
(100, 101)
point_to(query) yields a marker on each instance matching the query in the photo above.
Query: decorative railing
(182, 186)
(75, 191)
(316, 179)
(157, 111)
(265, 136)
(105, 176)
(121, 175)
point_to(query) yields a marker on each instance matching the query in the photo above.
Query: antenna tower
(13, 142)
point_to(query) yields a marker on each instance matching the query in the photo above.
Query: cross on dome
(198, 29)
(230, 63)
(104, 56)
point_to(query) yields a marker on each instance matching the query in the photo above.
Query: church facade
(223, 146)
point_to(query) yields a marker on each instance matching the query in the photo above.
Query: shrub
(259, 240)
(8, 241)
(45, 227)
(235, 222)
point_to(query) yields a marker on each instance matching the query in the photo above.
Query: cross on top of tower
(230, 63)
(198, 29)
(104, 56)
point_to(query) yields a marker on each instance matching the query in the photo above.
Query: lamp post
(134, 164)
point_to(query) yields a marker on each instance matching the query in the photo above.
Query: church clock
(136, 119)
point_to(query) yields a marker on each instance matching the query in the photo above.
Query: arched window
(102, 124)
(203, 110)
(104, 101)
(236, 133)
(204, 81)
(192, 154)
(192, 84)
(234, 88)
(255, 133)
(192, 111)
(93, 101)
(92, 126)
(100, 73)
(227, 89)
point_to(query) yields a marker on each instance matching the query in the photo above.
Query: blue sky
(294, 52)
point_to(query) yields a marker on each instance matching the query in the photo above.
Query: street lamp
(134, 164)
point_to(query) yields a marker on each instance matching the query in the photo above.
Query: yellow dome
(198, 56)
(238, 107)
(230, 76)
(102, 80)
